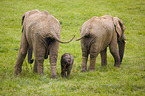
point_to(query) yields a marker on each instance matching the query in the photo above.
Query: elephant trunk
(121, 50)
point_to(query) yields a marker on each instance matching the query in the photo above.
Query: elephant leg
(21, 55)
(94, 51)
(85, 54)
(53, 58)
(84, 62)
(104, 57)
(69, 71)
(63, 74)
(92, 62)
(114, 51)
(39, 63)
(39, 52)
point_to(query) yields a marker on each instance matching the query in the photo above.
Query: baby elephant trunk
(68, 61)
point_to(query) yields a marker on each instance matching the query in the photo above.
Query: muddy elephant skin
(66, 64)
(40, 34)
(96, 34)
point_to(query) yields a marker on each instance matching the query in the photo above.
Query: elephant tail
(79, 38)
(57, 39)
(86, 34)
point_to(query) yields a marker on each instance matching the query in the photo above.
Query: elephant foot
(53, 72)
(105, 65)
(83, 70)
(40, 72)
(35, 71)
(91, 69)
(118, 65)
(63, 74)
(53, 76)
(68, 77)
(17, 71)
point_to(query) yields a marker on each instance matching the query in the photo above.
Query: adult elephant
(96, 34)
(40, 33)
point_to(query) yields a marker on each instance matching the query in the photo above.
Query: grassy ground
(127, 80)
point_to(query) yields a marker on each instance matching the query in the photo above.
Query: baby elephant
(66, 64)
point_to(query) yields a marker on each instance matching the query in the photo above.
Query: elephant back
(97, 26)
(43, 24)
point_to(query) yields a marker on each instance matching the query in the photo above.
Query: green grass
(128, 80)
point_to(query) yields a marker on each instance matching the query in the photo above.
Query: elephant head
(120, 28)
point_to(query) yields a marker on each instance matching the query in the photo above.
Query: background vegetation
(129, 79)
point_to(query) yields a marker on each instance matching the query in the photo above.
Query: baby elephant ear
(119, 26)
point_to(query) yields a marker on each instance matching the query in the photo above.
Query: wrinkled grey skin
(66, 64)
(40, 33)
(96, 34)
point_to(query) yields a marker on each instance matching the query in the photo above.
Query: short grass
(128, 80)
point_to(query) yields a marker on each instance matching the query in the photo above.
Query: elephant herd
(41, 34)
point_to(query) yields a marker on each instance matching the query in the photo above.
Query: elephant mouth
(69, 60)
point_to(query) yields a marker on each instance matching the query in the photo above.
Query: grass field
(128, 80)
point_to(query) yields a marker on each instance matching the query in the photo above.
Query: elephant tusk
(125, 41)
(76, 39)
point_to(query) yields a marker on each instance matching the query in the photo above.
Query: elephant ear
(46, 12)
(23, 19)
(25, 15)
(119, 26)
